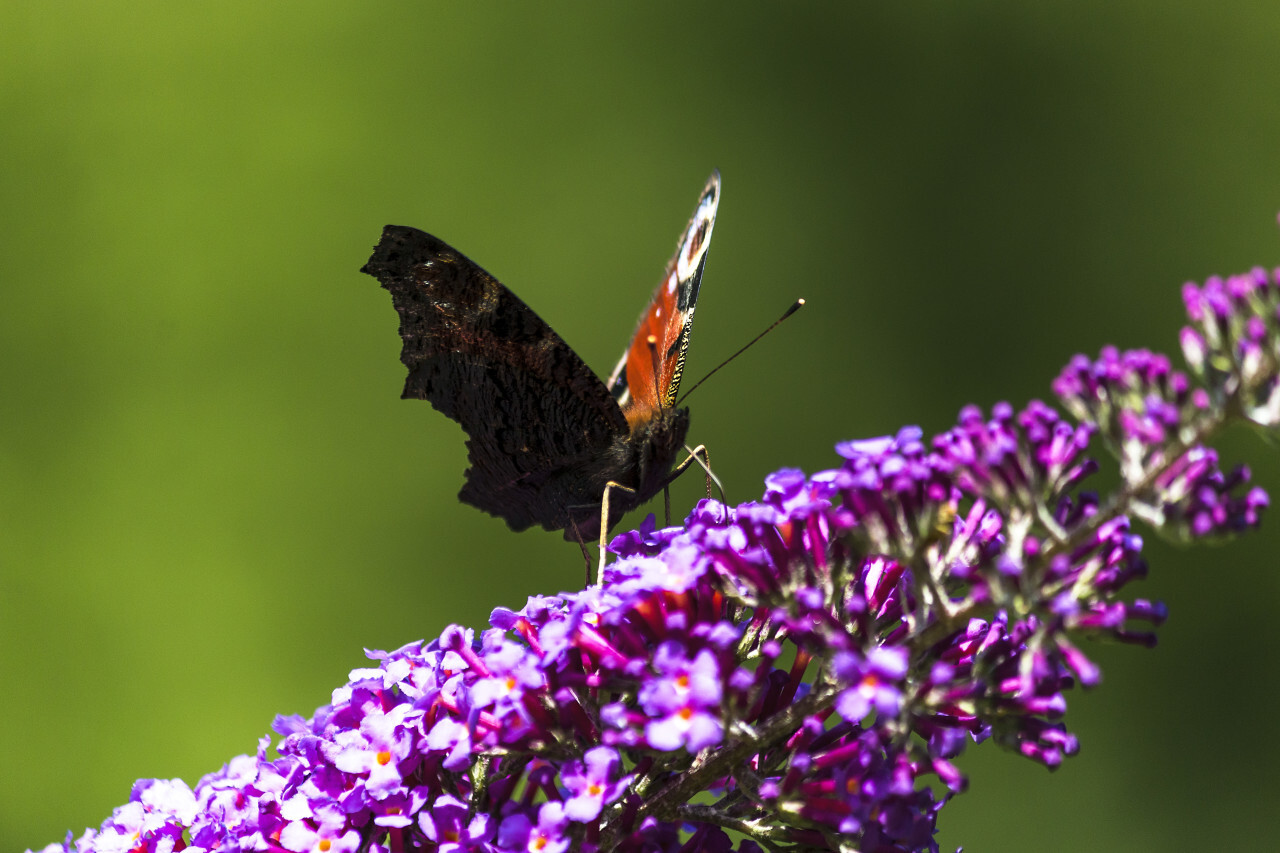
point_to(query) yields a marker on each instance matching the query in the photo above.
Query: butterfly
(544, 435)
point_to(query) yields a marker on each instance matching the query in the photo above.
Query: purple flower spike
(805, 669)
(1233, 342)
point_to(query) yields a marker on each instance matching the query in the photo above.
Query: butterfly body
(545, 434)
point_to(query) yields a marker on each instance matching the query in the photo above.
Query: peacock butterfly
(545, 435)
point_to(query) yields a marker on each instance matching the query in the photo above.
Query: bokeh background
(213, 496)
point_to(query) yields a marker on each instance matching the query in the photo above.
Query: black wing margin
(532, 410)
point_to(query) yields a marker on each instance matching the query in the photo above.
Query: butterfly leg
(706, 466)
(604, 524)
(679, 469)
(586, 555)
(705, 462)
(700, 455)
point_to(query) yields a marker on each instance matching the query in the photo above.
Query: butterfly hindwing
(534, 413)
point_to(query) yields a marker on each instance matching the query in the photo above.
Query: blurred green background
(214, 497)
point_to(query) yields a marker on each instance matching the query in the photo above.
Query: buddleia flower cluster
(800, 672)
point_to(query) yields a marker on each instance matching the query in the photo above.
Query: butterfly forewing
(647, 377)
(531, 408)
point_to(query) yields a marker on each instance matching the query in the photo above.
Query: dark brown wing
(533, 412)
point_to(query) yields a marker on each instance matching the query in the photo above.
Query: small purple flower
(448, 825)
(872, 682)
(517, 832)
(684, 698)
(512, 670)
(330, 834)
(453, 738)
(590, 785)
(376, 749)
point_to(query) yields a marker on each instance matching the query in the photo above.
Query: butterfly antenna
(796, 306)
